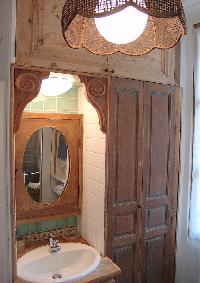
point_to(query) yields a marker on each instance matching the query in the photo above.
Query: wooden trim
(129, 208)
(175, 183)
(12, 173)
(80, 172)
(52, 116)
(155, 202)
(155, 233)
(121, 242)
(177, 70)
(64, 71)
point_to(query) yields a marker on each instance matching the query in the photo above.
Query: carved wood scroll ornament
(27, 85)
(97, 94)
(26, 88)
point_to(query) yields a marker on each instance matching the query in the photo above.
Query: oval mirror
(46, 165)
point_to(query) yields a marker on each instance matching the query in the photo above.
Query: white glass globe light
(55, 86)
(123, 27)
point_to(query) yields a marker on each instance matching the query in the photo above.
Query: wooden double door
(143, 165)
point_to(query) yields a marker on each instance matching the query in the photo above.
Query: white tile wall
(92, 219)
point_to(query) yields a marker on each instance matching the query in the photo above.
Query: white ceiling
(190, 3)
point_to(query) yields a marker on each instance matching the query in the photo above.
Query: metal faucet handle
(53, 241)
(53, 244)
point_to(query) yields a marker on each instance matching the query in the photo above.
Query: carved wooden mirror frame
(70, 201)
(27, 83)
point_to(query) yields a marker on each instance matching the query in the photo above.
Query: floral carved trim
(64, 233)
(26, 87)
(97, 94)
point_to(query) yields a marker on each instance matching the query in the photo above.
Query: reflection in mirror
(46, 165)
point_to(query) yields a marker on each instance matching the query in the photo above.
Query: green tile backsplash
(66, 103)
(49, 225)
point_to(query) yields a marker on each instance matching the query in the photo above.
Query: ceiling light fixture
(132, 27)
(114, 27)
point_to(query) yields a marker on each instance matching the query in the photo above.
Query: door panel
(119, 256)
(126, 134)
(154, 250)
(159, 131)
(160, 170)
(125, 175)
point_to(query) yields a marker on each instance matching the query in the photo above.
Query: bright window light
(194, 228)
(54, 86)
(123, 27)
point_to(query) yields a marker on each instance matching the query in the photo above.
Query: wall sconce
(132, 27)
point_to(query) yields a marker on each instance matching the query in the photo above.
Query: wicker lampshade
(165, 25)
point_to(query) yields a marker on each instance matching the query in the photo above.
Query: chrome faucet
(53, 244)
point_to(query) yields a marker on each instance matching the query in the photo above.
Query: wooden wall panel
(40, 43)
(154, 250)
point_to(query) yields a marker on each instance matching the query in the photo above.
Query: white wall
(92, 219)
(7, 31)
(188, 253)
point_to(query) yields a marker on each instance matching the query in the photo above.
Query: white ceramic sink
(73, 262)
